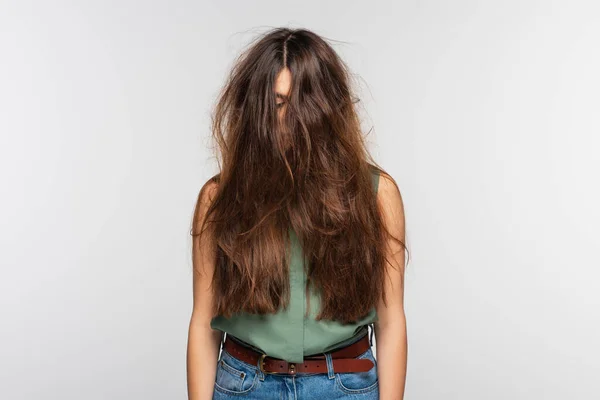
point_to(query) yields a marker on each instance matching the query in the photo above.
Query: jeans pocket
(235, 377)
(359, 382)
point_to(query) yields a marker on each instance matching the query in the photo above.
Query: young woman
(298, 242)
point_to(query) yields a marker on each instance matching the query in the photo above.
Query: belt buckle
(261, 366)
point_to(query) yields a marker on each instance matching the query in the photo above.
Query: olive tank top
(288, 334)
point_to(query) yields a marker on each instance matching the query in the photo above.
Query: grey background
(486, 113)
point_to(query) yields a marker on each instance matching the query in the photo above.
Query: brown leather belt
(343, 360)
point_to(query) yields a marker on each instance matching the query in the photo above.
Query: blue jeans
(237, 379)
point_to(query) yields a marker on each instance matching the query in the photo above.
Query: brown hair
(320, 186)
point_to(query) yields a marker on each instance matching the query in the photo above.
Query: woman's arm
(390, 330)
(203, 341)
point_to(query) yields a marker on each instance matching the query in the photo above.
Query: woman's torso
(289, 334)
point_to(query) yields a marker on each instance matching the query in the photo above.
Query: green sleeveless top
(288, 334)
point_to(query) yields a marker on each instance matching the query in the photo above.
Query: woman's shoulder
(205, 198)
(390, 197)
(383, 181)
(210, 187)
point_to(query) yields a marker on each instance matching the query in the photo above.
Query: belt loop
(371, 337)
(221, 344)
(329, 362)
(261, 374)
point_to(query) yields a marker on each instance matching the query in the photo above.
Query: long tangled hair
(308, 171)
